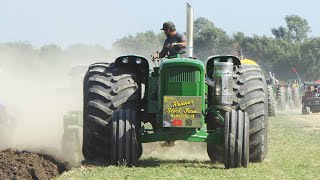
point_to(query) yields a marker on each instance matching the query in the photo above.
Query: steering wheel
(177, 46)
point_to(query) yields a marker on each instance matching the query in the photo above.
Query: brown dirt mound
(28, 165)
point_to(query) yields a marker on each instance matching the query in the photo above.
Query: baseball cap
(167, 25)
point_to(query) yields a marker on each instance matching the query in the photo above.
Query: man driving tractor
(175, 42)
(308, 93)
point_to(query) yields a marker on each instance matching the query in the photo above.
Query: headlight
(125, 60)
(138, 61)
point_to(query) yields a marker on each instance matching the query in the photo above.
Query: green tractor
(71, 138)
(230, 113)
(222, 102)
(72, 120)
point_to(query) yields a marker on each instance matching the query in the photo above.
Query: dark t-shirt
(175, 39)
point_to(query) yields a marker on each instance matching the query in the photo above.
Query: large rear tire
(252, 98)
(107, 89)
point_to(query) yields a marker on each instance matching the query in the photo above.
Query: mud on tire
(107, 89)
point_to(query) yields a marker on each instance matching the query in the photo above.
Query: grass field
(294, 153)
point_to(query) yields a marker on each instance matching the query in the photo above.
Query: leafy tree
(309, 59)
(210, 40)
(296, 29)
(144, 43)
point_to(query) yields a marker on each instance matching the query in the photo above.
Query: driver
(308, 93)
(173, 38)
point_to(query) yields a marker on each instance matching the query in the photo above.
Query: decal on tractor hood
(182, 111)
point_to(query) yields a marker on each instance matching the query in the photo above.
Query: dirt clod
(28, 165)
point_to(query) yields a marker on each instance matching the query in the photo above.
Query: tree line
(290, 46)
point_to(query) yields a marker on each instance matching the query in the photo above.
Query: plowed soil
(28, 165)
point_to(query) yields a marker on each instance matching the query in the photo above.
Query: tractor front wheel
(125, 150)
(250, 97)
(236, 142)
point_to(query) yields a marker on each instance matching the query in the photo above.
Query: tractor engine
(223, 78)
(182, 93)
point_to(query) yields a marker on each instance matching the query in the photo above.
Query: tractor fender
(248, 62)
(221, 58)
(133, 61)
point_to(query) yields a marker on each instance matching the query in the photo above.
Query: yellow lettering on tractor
(173, 111)
(179, 104)
(190, 111)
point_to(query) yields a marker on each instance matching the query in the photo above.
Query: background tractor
(281, 97)
(272, 90)
(71, 138)
(277, 95)
(72, 120)
(296, 91)
(311, 98)
(222, 102)
(289, 95)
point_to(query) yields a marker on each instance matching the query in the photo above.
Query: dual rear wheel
(236, 138)
(250, 99)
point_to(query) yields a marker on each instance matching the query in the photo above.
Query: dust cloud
(37, 89)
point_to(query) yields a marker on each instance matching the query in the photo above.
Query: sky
(66, 22)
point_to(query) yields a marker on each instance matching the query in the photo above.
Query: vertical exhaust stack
(189, 31)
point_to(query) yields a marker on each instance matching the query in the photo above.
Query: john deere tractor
(72, 120)
(71, 138)
(222, 102)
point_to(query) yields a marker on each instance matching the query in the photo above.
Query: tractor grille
(182, 74)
